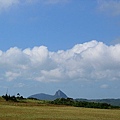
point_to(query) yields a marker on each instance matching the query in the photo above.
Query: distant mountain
(42, 96)
(60, 94)
(114, 102)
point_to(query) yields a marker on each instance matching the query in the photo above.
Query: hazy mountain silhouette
(60, 94)
(114, 102)
(43, 96)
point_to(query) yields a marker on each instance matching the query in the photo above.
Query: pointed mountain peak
(60, 94)
(42, 96)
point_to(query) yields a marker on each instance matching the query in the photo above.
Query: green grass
(36, 110)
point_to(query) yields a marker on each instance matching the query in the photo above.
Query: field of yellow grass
(38, 111)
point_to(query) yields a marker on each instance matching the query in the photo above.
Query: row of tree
(12, 98)
(71, 102)
(66, 101)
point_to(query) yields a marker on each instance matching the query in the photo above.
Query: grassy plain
(36, 110)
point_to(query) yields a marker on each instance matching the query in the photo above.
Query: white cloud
(19, 85)
(104, 86)
(5, 4)
(11, 75)
(90, 61)
(116, 41)
(109, 6)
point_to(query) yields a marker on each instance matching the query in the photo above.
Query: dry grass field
(37, 111)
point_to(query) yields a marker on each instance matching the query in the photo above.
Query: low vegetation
(75, 103)
(63, 101)
(59, 109)
(39, 110)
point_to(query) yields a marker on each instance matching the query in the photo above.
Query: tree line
(13, 97)
(66, 101)
(75, 103)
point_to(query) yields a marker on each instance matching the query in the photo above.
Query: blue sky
(72, 45)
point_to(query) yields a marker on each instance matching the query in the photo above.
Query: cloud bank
(90, 61)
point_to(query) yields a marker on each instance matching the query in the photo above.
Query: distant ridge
(43, 96)
(114, 102)
(60, 94)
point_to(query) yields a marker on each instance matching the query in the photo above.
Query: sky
(71, 45)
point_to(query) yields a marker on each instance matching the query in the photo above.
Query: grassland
(37, 110)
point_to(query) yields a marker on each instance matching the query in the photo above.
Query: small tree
(6, 97)
(18, 95)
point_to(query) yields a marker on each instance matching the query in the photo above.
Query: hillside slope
(42, 96)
